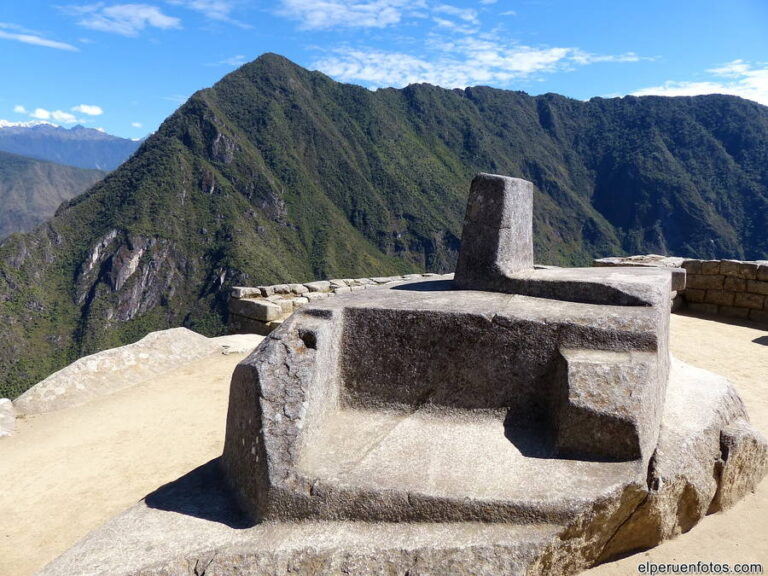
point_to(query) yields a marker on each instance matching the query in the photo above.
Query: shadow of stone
(202, 493)
(761, 340)
(533, 440)
(428, 286)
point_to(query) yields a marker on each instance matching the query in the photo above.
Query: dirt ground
(66, 472)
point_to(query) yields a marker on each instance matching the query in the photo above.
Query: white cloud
(123, 19)
(736, 78)
(218, 10)
(19, 34)
(64, 117)
(137, 124)
(487, 2)
(457, 63)
(466, 14)
(324, 14)
(40, 114)
(234, 61)
(46, 115)
(88, 109)
(508, 13)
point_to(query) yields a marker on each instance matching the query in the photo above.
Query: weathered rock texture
(733, 288)
(497, 239)
(261, 309)
(7, 417)
(535, 427)
(115, 369)
(194, 526)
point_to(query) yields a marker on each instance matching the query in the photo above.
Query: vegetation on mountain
(277, 173)
(79, 146)
(31, 190)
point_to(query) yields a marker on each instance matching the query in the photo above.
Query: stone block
(694, 295)
(281, 289)
(336, 283)
(7, 417)
(358, 287)
(267, 290)
(679, 278)
(735, 284)
(692, 266)
(759, 316)
(312, 296)
(742, 465)
(710, 267)
(747, 300)
(678, 303)
(319, 286)
(263, 310)
(720, 297)
(286, 306)
(610, 405)
(497, 236)
(702, 308)
(242, 325)
(385, 279)
(757, 287)
(298, 289)
(299, 301)
(244, 292)
(342, 290)
(734, 312)
(739, 269)
(762, 273)
(705, 281)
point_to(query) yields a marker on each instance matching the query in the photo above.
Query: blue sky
(123, 66)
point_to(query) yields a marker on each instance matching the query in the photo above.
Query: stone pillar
(497, 240)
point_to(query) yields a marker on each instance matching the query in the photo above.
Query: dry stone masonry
(511, 421)
(261, 309)
(732, 288)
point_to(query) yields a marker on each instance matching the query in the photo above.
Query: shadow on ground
(428, 286)
(202, 493)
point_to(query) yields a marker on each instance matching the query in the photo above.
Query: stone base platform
(194, 526)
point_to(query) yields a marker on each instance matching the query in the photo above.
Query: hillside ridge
(277, 174)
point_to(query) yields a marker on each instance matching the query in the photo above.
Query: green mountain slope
(277, 173)
(31, 190)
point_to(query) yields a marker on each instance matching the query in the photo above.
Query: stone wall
(733, 288)
(261, 309)
(728, 287)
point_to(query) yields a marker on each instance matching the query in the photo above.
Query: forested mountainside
(31, 190)
(78, 146)
(277, 173)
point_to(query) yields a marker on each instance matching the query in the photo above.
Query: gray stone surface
(115, 369)
(319, 286)
(443, 357)
(671, 263)
(497, 239)
(263, 310)
(7, 417)
(194, 526)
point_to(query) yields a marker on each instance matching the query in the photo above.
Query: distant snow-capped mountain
(78, 146)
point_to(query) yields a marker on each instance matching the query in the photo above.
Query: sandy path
(66, 472)
(739, 535)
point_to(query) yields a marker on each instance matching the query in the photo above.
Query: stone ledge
(261, 309)
(733, 288)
